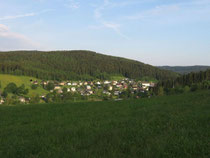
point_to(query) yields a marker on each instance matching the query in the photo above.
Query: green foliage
(35, 99)
(11, 88)
(76, 65)
(192, 81)
(4, 94)
(186, 89)
(34, 86)
(160, 91)
(162, 127)
(21, 90)
(50, 86)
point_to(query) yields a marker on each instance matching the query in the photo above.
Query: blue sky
(157, 32)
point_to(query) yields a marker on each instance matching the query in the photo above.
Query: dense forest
(185, 69)
(192, 81)
(76, 65)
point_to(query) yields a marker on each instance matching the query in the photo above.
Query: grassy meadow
(19, 80)
(161, 127)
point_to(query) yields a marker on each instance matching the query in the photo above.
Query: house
(57, 88)
(44, 83)
(68, 89)
(74, 84)
(88, 87)
(107, 82)
(117, 93)
(125, 87)
(119, 86)
(98, 83)
(80, 83)
(22, 99)
(146, 86)
(114, 83)
(110, 88)
(60, 91)
(73, 89)
(1, 101)
(107, 93)
(68, 84)
(35, 82)
(135, 87)
(85, 83)
(90, 92)
(62, 83)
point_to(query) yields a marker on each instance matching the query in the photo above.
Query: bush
(11, 88)
(34, 86)
(194, 87)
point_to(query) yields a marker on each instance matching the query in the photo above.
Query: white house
(106, 82)
(74, 84)
(145, 84)
(114, 83)
(22, 99)
(110, 88)
(1, 101)
(98, 83)
(68, 84)
(88, 87)
(73, 89)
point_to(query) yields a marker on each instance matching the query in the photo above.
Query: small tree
(11, 88)
(186, 89)
(50, 86)
(160, 91)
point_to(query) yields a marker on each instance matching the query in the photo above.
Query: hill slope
(19, 80)
(170, 126)
(61, 65)
(184, 69)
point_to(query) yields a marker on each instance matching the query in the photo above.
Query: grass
(162, 127)
(19, 80)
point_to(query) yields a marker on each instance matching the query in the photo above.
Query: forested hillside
(76, 65)
(185, 69)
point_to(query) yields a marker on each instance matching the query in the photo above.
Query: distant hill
(185, 69)
(76, 65)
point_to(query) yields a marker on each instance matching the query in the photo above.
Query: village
(95, 90)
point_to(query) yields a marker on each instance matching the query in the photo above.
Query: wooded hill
(76, 65)
(185, 69)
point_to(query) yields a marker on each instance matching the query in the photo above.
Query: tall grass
(169, 126)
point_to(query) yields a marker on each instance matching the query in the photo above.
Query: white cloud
(115, 28)
(24, 15)
(13, 41)
(98, 14)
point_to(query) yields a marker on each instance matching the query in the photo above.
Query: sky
(156, 32)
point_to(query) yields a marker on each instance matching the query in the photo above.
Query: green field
(169, 126)
(19, 80)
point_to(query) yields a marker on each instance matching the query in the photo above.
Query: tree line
(189, 82)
